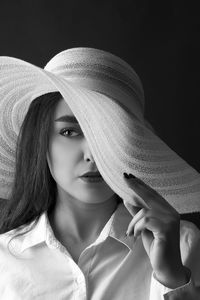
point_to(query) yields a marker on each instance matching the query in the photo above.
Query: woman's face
(69, 157)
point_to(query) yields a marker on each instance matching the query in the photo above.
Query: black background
(160, 39)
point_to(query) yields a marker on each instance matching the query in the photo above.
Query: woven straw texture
(107, 98)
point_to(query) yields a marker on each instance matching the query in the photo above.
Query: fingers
(140, 214)
(142, 221)
(153, 213)
(149, 195)
(150, 224)
(159, 223)
(142, 189)
(133, 209)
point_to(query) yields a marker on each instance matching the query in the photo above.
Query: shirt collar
(36, 235)
(116, 228)
(119, 226)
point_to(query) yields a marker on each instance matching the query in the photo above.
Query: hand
(158, 223)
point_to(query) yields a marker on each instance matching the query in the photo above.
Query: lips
(91, 174)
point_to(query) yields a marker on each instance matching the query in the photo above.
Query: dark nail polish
(131, 176)
(126, 175)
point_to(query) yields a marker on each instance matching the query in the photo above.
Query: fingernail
(129, 233)
(131, 176)
(126, 175)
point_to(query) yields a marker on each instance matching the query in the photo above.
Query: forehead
(62, 108)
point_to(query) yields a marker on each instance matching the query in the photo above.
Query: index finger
(149, 195)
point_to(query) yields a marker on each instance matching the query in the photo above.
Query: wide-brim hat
(106, 96)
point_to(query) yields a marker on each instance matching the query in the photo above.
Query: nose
(87, 153)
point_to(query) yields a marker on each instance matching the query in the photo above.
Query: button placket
(80, 288)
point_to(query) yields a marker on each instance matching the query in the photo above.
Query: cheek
(62, 157)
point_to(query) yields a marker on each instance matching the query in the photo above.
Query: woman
(75, 224)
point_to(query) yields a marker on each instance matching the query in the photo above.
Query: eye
(69, 132)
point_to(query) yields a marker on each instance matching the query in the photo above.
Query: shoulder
(6, 244)
(5, 255)
(5, 239)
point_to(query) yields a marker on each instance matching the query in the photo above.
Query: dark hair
(34, 188)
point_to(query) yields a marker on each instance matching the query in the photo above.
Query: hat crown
(103, 72)
(118, 141)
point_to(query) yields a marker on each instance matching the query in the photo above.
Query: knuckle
(172, 224)
(175, 218)
(136, 228)
(175, 214)
(146, 219)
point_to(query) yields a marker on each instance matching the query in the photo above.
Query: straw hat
(107, 98)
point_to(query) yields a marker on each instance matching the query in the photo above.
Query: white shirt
(114, 267)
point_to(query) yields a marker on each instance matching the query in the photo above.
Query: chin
(86, 195)
(92, 199)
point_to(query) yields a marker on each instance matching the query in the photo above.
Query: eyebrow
(66, 118)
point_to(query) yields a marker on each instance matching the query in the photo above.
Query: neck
(80, 221)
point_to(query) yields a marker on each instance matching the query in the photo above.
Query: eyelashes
(70, 132)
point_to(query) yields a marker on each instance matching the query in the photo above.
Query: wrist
(174, 281)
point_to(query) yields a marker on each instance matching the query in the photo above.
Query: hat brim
(118, 141)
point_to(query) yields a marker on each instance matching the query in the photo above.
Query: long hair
(34, 189)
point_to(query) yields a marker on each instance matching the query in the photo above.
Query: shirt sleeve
(190, 254)
(187, 292)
